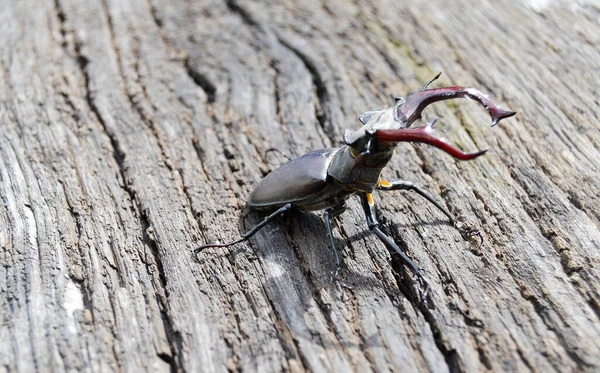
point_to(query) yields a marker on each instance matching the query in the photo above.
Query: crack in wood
(201, 81)
(175, 342)
(127, 90)
(405, 282)
(322, 94)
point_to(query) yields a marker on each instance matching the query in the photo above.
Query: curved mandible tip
(416, 102)
(423, 135)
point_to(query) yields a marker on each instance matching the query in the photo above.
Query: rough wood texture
(132, 131)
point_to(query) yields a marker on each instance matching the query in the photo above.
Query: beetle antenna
(278, 151)
(432, 80)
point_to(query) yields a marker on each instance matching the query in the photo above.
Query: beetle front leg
(465, 231)
(369, 208)
(329, 214)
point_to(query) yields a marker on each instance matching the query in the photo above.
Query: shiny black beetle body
(325, 179)
(302, 182)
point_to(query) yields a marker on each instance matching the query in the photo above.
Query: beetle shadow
(302, 279)
(296, 265)
(298, 241)
(404, 226)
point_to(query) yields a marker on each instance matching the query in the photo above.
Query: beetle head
(373, 120)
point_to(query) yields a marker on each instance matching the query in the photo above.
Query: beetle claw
(416, 102)
(423, 289)
(469, 232)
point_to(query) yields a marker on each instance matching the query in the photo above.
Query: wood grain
(133, 131)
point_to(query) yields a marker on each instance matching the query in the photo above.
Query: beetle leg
(465, 231)
(329, 214)
(248, 234)
(369, 208)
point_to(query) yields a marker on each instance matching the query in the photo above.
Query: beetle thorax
(358, 164)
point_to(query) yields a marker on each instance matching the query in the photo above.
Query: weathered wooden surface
(132, 131)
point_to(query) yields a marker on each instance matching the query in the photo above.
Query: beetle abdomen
(301, 178)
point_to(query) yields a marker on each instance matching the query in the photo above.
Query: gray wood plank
(131, 132)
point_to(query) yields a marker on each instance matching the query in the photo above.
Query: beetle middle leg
(369, 208)
(329, 214)
(465, 231)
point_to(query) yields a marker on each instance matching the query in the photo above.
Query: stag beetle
(326, 178)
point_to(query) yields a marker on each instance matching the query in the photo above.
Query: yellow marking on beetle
(385, 184)
(370, 199)
(352, 153)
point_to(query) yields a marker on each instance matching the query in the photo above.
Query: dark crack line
(276, 92)
(75, 215)
(244, 14)
(119, 157)
(322, 106)
(523, 356)
(173, 336)
(158, 22)
(198, 78)
(201, 81)
(451, 356)
(405, 283)
(210, 91)
(148, 119)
